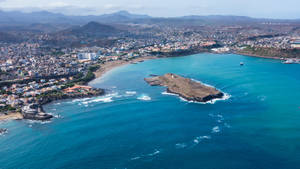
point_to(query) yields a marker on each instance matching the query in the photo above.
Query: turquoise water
(136, 126)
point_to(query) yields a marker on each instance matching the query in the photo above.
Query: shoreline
(107, 66)
(11, 116)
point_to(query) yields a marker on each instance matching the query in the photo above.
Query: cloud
(276, 8)
(111, 6)
(58, 4)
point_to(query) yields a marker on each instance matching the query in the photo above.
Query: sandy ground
(11, 116)
(113, 64)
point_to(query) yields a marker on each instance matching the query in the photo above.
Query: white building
(87, 56)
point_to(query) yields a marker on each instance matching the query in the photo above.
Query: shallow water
(137, 126)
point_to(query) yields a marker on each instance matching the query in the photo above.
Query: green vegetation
(81, 79)
(88, 77)
(7, 108)
(271, 52)
(79, 75)
(68, 85)
(94, 68)
(5, 92)
(54, 93)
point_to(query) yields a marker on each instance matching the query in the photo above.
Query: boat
(241, 63)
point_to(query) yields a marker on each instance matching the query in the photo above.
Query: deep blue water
(257, 127)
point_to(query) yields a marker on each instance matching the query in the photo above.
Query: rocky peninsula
(185, 88)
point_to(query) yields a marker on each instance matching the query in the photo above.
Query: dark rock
(3, 131)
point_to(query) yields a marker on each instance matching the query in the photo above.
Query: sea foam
(130, 92)
(215, 129)
(225, 97)
(144, 97)
(180, 145)
(200, 138)
(154, 153)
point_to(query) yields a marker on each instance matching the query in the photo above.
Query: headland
(186, 88)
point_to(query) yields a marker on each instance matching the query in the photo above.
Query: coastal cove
(135, 125)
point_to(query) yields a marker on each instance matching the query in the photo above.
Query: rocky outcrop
(185, 88)
(3, 131)
(35, 111)
(51, 98)
(38, 116)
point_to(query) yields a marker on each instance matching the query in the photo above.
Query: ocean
(137, 126)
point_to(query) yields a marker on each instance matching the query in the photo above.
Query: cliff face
(186, 88)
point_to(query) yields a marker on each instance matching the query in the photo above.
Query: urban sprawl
(35, 69)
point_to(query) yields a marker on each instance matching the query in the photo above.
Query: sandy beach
(11, 116)
(113, 64)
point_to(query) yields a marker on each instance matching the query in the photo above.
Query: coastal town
(35, 72)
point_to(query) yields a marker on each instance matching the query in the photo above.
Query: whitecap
(215, 129)
(213, 101)
(144, 97)
(130, 92)
(38, 122)
(180, 145)
(227, 125)
(262, 98)
(135, 158)
(105, 99)
(154, 153)
(167, 93)
(200, 138)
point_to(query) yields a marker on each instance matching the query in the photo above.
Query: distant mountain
(44, 17)
(125, 14)
(14, 18)
(92, 29)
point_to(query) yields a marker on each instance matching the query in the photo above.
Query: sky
(279, 9)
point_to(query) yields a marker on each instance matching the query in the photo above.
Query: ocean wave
(200, 138)
(154, 153)
(30, 122)
(144, 97)
(219, 118)
(130, 93)
(215, 129)
(180, 145)
(262, 98)
(225, 97)
(135, 158)
(79, 100)
(167, 93)
(227, 125)
(105, 99)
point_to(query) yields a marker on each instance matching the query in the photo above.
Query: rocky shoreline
(35, 111)
(185, 88)
(41, 115)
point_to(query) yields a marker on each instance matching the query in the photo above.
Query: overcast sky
(165, 8)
